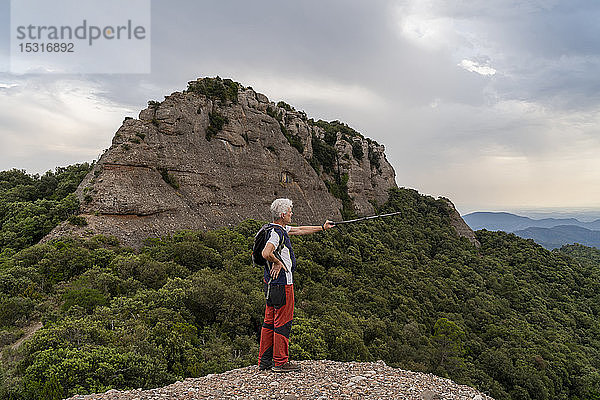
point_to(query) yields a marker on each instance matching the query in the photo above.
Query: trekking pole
(365, 218)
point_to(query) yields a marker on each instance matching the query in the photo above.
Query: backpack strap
(277, 251)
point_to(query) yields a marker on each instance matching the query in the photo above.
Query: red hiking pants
(275, 333)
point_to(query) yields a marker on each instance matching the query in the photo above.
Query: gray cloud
(544, 51)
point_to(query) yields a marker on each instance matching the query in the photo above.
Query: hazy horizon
(583, 215)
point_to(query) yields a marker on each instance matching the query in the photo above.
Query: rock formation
(459, 224)
(218, 153)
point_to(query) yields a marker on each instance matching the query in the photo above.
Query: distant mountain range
(548, 232)
(557, 236)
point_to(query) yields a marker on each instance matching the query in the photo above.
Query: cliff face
(459, 225)
(219, 153)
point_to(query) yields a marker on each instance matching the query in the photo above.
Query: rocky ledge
(316, 380)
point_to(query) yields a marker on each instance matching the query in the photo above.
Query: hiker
(279, 287)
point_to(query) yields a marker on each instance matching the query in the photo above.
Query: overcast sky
(493, 104)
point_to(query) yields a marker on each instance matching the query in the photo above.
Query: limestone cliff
(218, 153)
(459, 225)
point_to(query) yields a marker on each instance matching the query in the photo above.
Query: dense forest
(512, 319)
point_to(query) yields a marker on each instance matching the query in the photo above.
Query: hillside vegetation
(31, 205)
(511, 318)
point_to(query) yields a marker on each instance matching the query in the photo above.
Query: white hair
(280, 206)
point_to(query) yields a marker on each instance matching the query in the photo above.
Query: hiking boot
(287, 367)
(264, 367)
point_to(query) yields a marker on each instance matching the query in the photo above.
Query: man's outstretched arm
(307, 229)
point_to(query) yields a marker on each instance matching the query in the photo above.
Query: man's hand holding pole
(328, 225)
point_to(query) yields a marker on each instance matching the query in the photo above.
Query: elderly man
(279, 286)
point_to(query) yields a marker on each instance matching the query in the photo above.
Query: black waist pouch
(275, 294)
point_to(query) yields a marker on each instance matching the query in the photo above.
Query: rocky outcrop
(217, 154)
(459, 225)
(315, 380)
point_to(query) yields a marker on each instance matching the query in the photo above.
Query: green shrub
(324, 154)
(357, 150)
(11, 335)
(374, 159)
(339, 189)
(215, 125)
(314, 163)
(77, 220)
(285, 106)
(14, 309)
(295, 141)
(273, 113)
(332, 128)
(215, 89)
(64, 372)
(86, 298)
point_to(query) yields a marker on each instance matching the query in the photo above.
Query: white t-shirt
(285, 254)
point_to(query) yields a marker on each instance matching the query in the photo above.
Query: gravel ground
(316, 380)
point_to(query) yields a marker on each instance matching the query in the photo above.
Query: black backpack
(260, 241)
